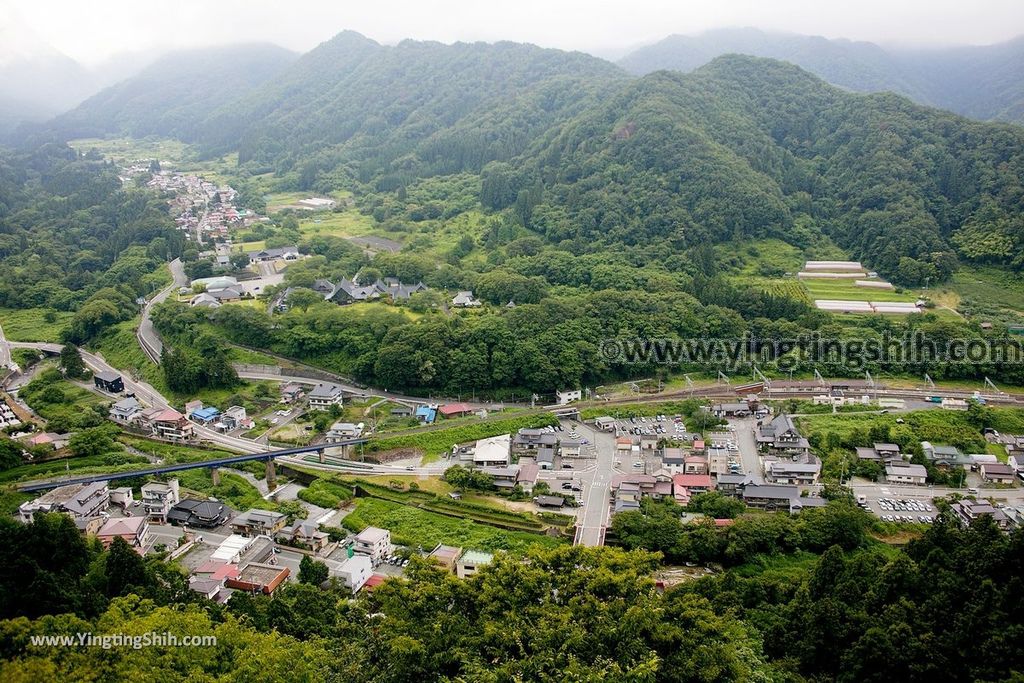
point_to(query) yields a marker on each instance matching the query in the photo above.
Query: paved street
(596, 477)
(149, 340)
(5, 351)
(747, 444)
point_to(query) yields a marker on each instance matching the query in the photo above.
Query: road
(150, 396)
(747, 445)
(147, 335)
(5, 351)
(592, 515)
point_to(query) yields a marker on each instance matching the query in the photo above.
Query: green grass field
(414, 527)
(31, 324)
(846, 290)
(433, 443)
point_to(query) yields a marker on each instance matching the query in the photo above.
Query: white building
(158, 498)
(324, 395)
(566, 397)
(914, 475)
(494, 451)
(471, 562)
(374, 543)
(343, 431)
(355, 571)
(465, 300)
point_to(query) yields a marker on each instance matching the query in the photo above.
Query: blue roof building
(426, 414)
(205, 415)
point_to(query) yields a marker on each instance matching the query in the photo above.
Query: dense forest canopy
(945, 608)
(72, 238)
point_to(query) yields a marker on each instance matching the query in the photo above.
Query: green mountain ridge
(587, 155)
(983, 82)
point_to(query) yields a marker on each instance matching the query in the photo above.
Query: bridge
(213, 464)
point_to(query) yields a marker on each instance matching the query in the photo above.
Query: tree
(94, 441)
(240, 260)
(124, 569)
(302, 299)
(313, 571)
(71, 361)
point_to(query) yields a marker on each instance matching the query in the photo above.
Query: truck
(862, 500)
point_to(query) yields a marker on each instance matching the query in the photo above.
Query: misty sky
(93, 30)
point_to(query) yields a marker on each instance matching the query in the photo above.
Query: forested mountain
(983, 82)
(755, 147)
(354, 102)
(173, 96)
(72, 239)
(588, 156)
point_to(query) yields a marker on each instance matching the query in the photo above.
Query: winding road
(147, 335)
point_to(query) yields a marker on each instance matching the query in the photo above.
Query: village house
(233, 418)
(570, 448)
(257, 577)
(946, 457)
(471, 562)
(110, 382)
(906, 473)
(205, 415)
(997, 473)
(134, 530)
(171, 425)
(780, 437)
(527, 439)
(324, 395)
(797, 473)
(80, 501)
(304, 534)
(257, 522)
(426, 414)
(373, 542)
(291, 392)
(967, 510)
(354, 572)
(122, 496)
(343, 431)
(445, 555)
(730, 410)
(465, 300)
(568, 396)
(206, 514)
(494, 451)
(450, 410)
(283, 253)
(126, 411)
(158, 498)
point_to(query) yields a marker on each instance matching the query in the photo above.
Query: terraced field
(846, 290)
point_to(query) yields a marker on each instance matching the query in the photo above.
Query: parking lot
(665, 426)
(902, 510)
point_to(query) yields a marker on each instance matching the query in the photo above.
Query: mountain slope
(354, 101)
(172, 96)
(748, 147)
(985, 83)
